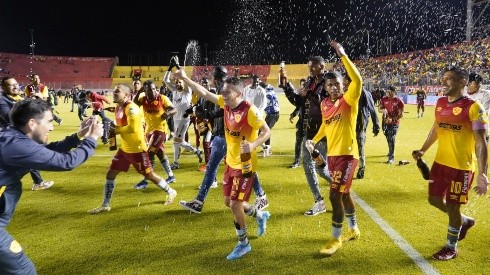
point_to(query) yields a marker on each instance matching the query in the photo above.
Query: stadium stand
(418, 68)
(60, 72)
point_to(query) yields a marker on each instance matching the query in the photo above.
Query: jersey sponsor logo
(449, 126)
(457, 111)
(335, 118)
(233, 133)
(237, 117)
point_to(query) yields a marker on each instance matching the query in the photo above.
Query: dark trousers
(390, 134)
(271, 120)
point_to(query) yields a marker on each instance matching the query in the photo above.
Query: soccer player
(421, 96)
(339, 114)
(133, 151)
(24, 147)
(242, 119)
(157, 108)
(460, 128)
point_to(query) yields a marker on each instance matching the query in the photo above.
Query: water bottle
(403, 162)
(318, 158)
(246, 159)
(112, 138)
(281, 79)
(424, 168)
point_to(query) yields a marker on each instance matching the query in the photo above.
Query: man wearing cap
(391, 107)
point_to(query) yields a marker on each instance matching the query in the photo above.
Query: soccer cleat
(170, 179)
(141, 185)
(294, 165)
(331, 247)
(199, 155)
(239, 251)
(445, 254)
(262, 222)
(60, 122)
(170, 196)
(351, 234)
(194, 206)
(261, 202)
(318, 207)
(390, 161)
(42, 185)
(202, 168)
(99, 209)
(174, 166)
(465, 227)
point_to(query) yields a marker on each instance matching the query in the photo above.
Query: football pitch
(399, 229)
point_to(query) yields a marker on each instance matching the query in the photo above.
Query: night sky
(229, 32)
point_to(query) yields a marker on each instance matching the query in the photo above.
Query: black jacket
(310, 113)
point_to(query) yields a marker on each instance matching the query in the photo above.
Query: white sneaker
(42, 185)
(267, 151)
(318, 207)
(99, 209)
(170, 196)
(261, 202)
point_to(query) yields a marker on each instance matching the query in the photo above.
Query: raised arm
(196, 87)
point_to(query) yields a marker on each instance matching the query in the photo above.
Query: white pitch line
(416, 257)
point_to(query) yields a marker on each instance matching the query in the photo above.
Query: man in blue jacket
(23, 147)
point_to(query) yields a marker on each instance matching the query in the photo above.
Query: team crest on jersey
(457, 111)
(238, 117)
(132, 110)
(439, 109)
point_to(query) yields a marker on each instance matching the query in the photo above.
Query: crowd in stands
(425, 67)
(419, 68)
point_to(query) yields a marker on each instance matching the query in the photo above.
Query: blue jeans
(36, 176)
(218, 153)
(311, 169)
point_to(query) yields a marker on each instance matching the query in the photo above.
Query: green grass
(141, 236)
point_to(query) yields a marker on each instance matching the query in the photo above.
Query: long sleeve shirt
(310, 115)
(19, 154)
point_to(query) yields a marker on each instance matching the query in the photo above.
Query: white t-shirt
(256, 96)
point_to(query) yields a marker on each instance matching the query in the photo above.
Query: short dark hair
(4, 79)
(27, 109)
(316, 59)
(331, 75)
(236, 82)
(475, 77)
(462, 73)
(391, 88)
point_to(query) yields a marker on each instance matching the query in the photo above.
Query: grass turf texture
(141, 236)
